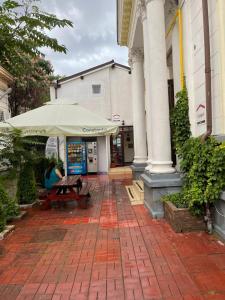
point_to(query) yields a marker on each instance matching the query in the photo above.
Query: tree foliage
(26, 186)
(24, 31)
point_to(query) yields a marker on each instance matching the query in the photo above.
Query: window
(96, 89)
(2, 117)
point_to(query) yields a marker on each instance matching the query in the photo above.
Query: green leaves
(22, 28)
(180, 124)
(203, 164)
(24, 31)
(26, 187)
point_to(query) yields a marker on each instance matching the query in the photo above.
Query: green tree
(23, 33)
(26, 187)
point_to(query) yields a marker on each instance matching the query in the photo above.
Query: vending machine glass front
(76, 158)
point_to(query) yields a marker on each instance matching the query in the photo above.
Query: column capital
(141, 8)
(136, 55)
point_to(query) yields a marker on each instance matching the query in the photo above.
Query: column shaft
(158, 90)
(140, 144)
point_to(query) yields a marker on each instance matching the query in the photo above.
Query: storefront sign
(115, 117)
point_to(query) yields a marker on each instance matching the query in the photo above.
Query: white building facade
(166, 44)
(105, 90)
(5, 81)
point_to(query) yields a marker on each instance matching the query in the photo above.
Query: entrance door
(117, 153)
(122, 147)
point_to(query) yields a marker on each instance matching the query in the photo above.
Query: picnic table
(77, 190)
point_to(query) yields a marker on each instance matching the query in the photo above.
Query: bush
(177, 199)
(26, 188)
(10, 206)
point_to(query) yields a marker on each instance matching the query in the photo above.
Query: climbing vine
(202, 163)
(180, 123)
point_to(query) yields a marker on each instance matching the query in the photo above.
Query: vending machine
(76, 158)
(92, 163)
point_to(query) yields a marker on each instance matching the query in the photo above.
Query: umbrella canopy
(55, 119)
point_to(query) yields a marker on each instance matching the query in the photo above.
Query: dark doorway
(171, 106)
(122, 147)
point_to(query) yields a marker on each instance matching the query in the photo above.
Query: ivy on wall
(180, 123)
(202, 163)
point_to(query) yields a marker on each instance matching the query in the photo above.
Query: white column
(143, 16)
(158, 89)
(138, 101)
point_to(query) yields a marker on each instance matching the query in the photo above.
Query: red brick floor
(110, 251)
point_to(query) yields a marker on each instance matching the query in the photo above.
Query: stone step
(139, 186)
(134, 195)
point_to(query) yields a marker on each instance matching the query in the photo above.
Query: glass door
(117, 153)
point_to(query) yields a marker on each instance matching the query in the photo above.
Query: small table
(70, 182)
(77, 192)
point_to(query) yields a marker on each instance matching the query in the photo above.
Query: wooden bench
(84, 195)
(79, 192)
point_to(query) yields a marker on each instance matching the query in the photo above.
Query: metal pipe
(172, 24)
(180, 23)
(208, 84)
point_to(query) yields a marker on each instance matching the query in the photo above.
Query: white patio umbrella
(57, 119)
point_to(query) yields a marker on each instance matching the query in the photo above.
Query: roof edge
(111, 62)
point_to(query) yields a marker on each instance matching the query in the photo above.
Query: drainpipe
(208, 86)
(56, 86)
(208, 92)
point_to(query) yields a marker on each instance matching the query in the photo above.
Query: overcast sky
(92, 41)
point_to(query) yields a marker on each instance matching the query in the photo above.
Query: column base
(160, 167)
(156, 186)
(138, 169)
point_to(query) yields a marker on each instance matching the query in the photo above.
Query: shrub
(26, 188)
(201, 162)
(177, 199)
(10, 206)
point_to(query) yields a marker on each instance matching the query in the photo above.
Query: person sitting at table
(52, 176)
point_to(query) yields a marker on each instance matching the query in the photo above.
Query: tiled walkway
(111, 251)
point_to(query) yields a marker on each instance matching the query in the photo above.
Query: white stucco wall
(4, 106)
(121, 101)
(115, 97)
(194, 64)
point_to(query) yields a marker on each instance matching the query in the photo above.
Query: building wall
(121, 102)
(115, 97)
(194, 64)
(4, 106)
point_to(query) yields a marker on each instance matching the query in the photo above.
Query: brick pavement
(112, 250)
